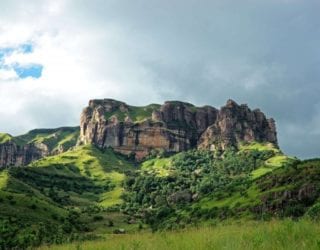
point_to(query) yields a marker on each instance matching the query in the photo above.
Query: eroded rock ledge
(174, 126)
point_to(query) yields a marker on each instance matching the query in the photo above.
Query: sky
(57, 55)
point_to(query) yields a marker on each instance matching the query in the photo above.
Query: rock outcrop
(235, 124)
(12, 154)
(173, 127)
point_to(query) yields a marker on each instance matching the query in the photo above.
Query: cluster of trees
(16, 234)
(193, 174)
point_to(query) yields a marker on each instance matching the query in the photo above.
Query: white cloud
(7, 75)
(78, 64)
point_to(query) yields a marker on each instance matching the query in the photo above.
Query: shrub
(314, 212)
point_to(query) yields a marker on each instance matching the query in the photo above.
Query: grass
(3, 179)
(274, 235)
(78, 179)
(278, 161)
(257, 173)
(20, 200)
(160, 166)
(5, 138)
(87, 177)
(65, 137)
(258, 146)
(87, 166)
(113, 197)
(271, 164)
(136, 114)
(236, 200)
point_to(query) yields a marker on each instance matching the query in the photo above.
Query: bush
(314, 212)
(97, 217)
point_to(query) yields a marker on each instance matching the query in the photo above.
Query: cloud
(264, 53)
(13, 66)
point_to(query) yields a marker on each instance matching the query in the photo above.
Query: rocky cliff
(173, 127)
(235, 124)
(38, 143)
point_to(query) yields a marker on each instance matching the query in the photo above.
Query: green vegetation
(194, 186)
(71, 193)
(136, 114)
(87, 193)
(159, 166)
(258, 146)
(5, 138)
(275, 235)
(55, 139)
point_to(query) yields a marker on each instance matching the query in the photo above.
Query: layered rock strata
(174, 126)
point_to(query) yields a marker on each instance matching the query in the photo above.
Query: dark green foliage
(199, 185)
(291, 190)
(17, 235)
(314, 212)
(193, 175)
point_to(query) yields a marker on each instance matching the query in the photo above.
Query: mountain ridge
(174, 126)
(137, 131)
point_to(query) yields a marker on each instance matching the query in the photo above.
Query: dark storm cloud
(265, 53)
(262, 52)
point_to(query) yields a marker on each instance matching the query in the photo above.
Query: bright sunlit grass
(273, 235)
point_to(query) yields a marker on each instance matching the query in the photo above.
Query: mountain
(133, 169)
(22, 150)
(137, 131)
(173, 127)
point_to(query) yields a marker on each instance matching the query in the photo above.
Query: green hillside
(65, 137)
(70, 193)
(56, 140)
(87, 193)
(135, 113)
(275, 235)
(5, 138)
(194, 187)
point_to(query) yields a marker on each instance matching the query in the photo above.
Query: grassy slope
(87, 169)
(23, 202)
(159, 166)
(65, 137)
(252, 235)
(5, 138)
(87, 177)
(136, 114)
(82, 178)
(276, 193)
(277, 161)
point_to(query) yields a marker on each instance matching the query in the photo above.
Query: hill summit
(173, 127)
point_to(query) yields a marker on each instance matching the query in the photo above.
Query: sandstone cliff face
(12, 154)
(174, 126)
(237, 123)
